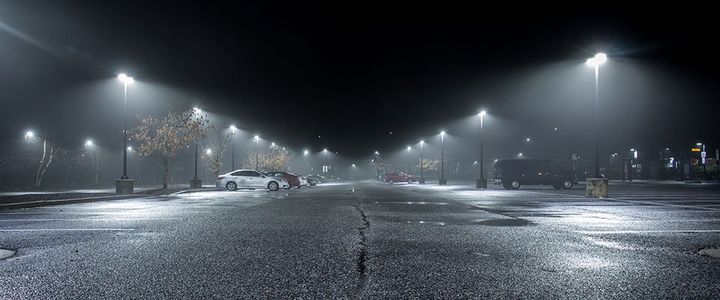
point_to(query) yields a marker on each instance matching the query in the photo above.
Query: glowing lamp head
(306, 152)
(29, 134)
(442, 133)
(422, 142)
(409, 148)
(129, 149)
(482, 113)
(325, 150)
(208, 151)
(233, 128)
(89, 143)
(596, 60)
(125, 79)
(197, 110)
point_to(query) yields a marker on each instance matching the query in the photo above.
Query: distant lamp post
(196, 182)
(306, 152)
(233, 129)
(125, 185)
(443, 181)
(520, 155)
(325, 167)
(257, 152)
(89, 143)
(422, 161)
(407, 169)
(29, 135)
(481, 182)
(595, 62)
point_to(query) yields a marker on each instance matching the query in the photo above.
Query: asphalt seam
(362, 251)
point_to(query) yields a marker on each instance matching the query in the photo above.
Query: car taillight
(220, 177)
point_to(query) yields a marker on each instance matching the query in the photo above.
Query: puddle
(4, 253)
(712, 252)
(506, 222)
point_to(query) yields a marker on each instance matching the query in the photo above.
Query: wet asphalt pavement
(370, 240)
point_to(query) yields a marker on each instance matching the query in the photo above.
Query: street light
(306, 152)
(407, 169)
(208, 151)
(196, 182)
(257, 152)
(443, 181)
(124, 185)
(520, 154)
(595, 62)
(232, 144)
(481, 183)
(422, 160)
(29, 135)
(88, 143)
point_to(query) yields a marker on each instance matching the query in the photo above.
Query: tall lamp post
(443, 181)
(377, 166)
(124, 185)
(233, 129)
(597, 187)
(422, 161)
(481, 182)
(407, 169)
(196, 182)
(596, 62)
(257, 152)
(325, 167)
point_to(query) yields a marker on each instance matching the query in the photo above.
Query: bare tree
(217, 144)
(46, 160)
(167, 135)
(274, 159)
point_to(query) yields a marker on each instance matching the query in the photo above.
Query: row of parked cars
(273, 181)
(512, 173)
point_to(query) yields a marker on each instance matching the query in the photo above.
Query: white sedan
(249, 179)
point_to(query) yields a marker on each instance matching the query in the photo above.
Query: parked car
(314, 180)
(397, 177)
(294, 180)
(250, 179)
(512, 173)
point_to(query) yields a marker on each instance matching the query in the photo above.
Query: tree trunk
(166, 172)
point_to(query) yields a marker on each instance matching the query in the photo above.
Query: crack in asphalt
(362, 253)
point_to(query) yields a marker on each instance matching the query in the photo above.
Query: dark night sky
(347, 73)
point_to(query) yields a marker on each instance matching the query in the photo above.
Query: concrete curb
(38, 203)
(195, 191)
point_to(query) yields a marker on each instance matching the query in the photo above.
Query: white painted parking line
(89, 219)
(414, 203)
(650, 231)
(65, 229)
(664, 204)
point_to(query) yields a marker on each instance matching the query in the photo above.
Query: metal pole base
(443, 182)
(422, 181)
(124, 186)
(481, 183)
(195, 183)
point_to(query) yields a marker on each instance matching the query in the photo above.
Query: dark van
(512, 173)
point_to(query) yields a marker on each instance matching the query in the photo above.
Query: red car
(397, 177)
(292, 179)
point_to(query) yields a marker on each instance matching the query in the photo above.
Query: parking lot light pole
(407, 169)
(422, 161)
(443, 181)
(596, 62)
(257, 152)
(481, 181)
(124, 185)
(232, 145)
